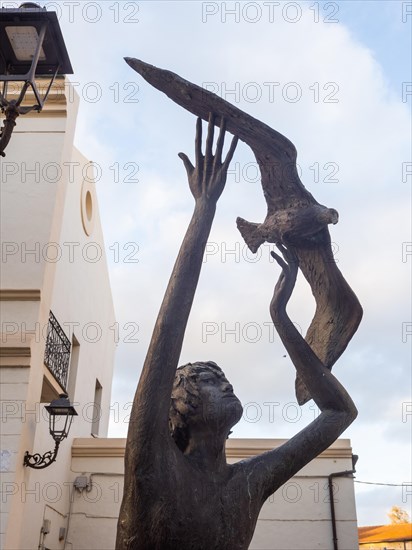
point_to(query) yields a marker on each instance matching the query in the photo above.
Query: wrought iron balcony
(57, 354)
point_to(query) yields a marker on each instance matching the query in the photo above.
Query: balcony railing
(57, 354)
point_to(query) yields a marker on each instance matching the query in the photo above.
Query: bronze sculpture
(179, 492)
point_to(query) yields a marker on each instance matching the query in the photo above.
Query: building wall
(297, 517)
(49, 212)
(407, 545)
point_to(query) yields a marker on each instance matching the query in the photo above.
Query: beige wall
(297, 517)
(44, 211)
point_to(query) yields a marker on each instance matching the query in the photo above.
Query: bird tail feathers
(251, 234)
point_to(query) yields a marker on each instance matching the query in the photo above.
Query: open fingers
(220, 141)
(282, 249)
(198, 142)
(279, 260)
(230, 153)
(210, 134)
(188, 165)
(289, 254)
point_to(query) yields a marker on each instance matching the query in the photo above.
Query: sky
(335, 78)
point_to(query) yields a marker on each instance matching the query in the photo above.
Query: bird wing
(275, 154)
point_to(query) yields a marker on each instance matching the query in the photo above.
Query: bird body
(290, 226)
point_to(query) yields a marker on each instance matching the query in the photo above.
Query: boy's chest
(200, 513)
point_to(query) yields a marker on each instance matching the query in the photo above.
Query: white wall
(42, 212)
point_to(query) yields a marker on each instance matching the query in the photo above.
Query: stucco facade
(53, 264)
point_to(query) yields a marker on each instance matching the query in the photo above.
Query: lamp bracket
(38, 461)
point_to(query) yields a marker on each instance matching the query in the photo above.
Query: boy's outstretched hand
(207, 179)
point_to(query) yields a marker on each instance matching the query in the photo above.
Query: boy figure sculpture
(179, 492)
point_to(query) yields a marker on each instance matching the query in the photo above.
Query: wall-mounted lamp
(31, 45)
(61, 414)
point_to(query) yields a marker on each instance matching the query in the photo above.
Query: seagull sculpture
(294, 218)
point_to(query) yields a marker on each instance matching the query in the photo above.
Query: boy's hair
(185, 399)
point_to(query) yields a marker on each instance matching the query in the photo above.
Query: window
(74, 361)
(97, 408)
(57, 352)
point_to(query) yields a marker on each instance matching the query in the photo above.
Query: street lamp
(31, 45)
(61, 414)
